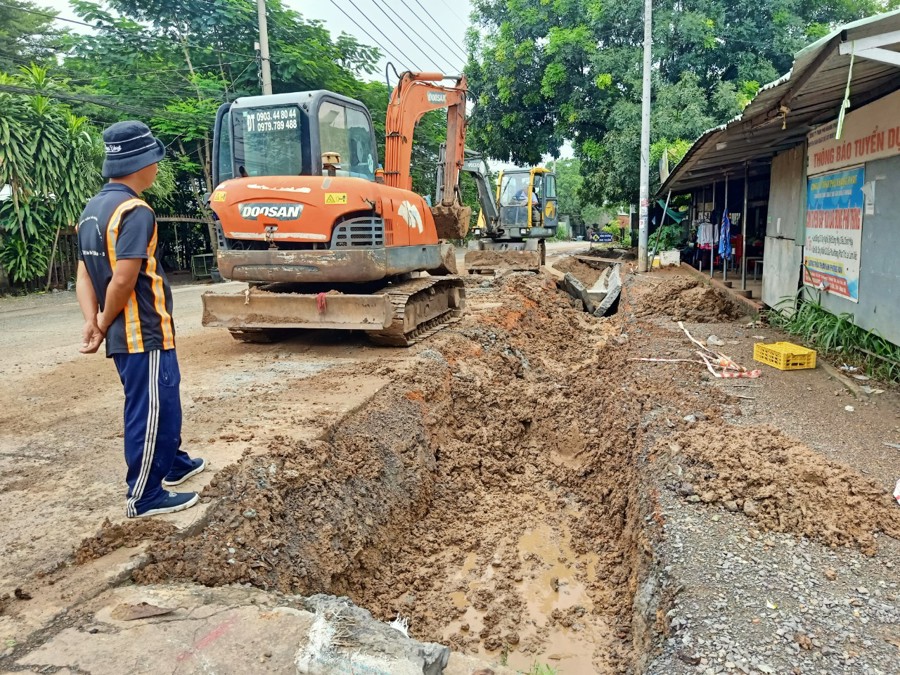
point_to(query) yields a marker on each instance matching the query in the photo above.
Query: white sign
(872, 132)
(264, 120)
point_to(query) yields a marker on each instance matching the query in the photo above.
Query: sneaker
(170, 502)
(197, 465)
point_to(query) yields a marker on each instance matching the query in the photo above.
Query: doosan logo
(274, 211)
(437, 98)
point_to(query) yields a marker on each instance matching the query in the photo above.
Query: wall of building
(852, 230)
(784, 229)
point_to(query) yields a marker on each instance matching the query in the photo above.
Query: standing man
(126, 299)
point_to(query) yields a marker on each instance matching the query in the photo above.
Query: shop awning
(786, 110)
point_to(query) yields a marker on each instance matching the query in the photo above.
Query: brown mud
(500, 260)
(685, 298)
(783, 485)
(112, 536)
(496, 493)
(469, 496)
(584, 272)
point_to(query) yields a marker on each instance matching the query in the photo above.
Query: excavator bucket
(451, 222)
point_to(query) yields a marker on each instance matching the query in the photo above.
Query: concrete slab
(235, 630)
(225, 630)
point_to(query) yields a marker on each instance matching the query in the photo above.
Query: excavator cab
(313, 133)
(527, 199)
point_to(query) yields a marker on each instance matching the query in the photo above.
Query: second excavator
(515, 223)
(324, 237)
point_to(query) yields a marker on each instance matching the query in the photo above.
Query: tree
(27, 34)
(570, 194)
(547, 70)
(49, 158)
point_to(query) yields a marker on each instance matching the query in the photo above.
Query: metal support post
(744, 218)
(712, 247)
(645, 140)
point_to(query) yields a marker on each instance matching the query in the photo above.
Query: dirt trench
(490, 495)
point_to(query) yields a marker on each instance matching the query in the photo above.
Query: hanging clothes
(725, 238)
(706, 234)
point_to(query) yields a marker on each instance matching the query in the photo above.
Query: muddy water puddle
(558, 625)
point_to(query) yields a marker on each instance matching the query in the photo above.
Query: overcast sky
(435, 42)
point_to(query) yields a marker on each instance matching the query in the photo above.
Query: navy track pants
(152, 424)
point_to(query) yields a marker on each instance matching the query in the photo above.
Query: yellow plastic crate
(784, 355)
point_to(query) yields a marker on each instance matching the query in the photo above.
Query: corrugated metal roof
(786, 110)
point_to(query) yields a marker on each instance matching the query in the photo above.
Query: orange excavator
(324, 237)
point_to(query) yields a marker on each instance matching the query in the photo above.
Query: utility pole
(265, 66)
(645, 141)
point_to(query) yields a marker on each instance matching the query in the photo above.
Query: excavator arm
(475, 166)
(415, 95)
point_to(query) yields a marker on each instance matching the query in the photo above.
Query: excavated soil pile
(684, 298)
(498, 260)
(489, 496)
(585, 273)
(295, 518)
(613, 253)
(120, 535)
(783, 485)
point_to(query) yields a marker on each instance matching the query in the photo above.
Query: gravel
(749, 601)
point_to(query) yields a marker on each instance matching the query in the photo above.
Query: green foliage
(25, 260)
(837, 335)
(667, 237)
(543, 71)
(25, 37)
(541, 669)
(50, 160)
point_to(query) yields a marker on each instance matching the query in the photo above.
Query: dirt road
(519, 486)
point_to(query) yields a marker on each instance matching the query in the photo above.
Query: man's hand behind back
(91, 337)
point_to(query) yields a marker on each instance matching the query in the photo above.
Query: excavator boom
(415, 95)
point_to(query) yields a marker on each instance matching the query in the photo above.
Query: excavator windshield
(268, 141)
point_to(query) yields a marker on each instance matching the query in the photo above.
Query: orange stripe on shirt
(159, 294)
(134, 337)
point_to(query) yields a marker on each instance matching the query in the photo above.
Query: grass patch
(541, 669)
(838, 336)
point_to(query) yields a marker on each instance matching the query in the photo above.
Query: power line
(375, 26)
(386, 51)
(436, 23)
(452, 11)
(380, 46)
(378, 4)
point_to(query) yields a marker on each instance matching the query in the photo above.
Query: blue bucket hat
(130, 146)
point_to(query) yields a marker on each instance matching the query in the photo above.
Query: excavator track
(422, 307)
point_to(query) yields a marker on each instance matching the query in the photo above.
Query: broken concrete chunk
(346, 638)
